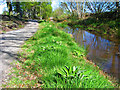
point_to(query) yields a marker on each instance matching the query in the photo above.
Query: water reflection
(101, 51)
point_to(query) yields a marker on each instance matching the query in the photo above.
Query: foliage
(63, 24)
(59, 14)
(32, 10)
(41, 21)
(68, 76)
(46, 10)
(69, 72)
(5, 13)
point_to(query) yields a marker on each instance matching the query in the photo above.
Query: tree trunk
(18, 8)
(9, 6)
(79, 13)
(117, 11)
(34, 12)
(117, 6)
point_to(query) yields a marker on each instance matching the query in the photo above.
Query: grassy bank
(51, 58)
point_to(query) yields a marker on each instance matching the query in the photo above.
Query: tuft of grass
(47, 51)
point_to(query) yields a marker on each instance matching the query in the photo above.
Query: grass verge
(51, 59)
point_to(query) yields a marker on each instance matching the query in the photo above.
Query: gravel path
(10, 44)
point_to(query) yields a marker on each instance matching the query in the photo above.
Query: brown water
(101, 51)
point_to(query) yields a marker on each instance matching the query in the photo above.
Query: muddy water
(104, 53)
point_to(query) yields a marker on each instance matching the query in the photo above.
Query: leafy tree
(18, 8)
(57, 12)
(46, 9)
(30, 9)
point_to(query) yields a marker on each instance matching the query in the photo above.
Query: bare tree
(98, 7)
(75, 8)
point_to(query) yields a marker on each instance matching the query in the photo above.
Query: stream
(105, 53)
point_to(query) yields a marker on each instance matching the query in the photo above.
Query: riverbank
(101, 51)
(51, 59)
(107, 27)
(104, 24)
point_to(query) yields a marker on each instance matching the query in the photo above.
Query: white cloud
(2, 7)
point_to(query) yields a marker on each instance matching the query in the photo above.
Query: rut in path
(10, 44)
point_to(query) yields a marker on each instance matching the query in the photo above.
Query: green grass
(63, 25)
(48, 51)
